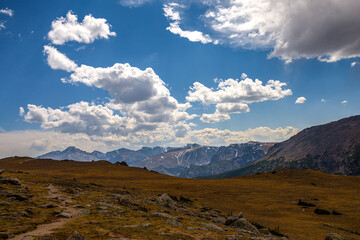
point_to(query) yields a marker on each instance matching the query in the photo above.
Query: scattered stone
(173, 222)
(321, 211)
(64, 215)
(28, 238)
(2, 171)
(205, 209)
(84, 211)
(120, 239)
(6, 235)
(242, 223)
(48, 205)
(264, 231)
(230, 220)
(212, 227)
(164, 215)
(139, 225)
(123, 163)
(166, 201)
(11, 181)
(334, 236)
(76, 236)
(219, 220)
(197, 229)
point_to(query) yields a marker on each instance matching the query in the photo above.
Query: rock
(6, 235)
(196, 229)
(11, 181)
(166, 201)
(2, 171)
(48, 205)
(264, 231)
(76, 236)
(123, 163)
(240, 215)
(164, 215)
(230, 220)
(119, 239)
(173, 222)
(334, 236)
(64, 215)
(84, 211)
(243, 224)
(212, 227)
(28, 238)
(219, 220)
(139, 225)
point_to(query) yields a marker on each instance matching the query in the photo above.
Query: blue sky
(163, 73)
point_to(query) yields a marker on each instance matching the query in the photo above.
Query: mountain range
(191, 160)
(333, 148)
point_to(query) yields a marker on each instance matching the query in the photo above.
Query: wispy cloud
(7, 11)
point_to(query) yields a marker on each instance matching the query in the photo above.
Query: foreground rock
(334, 236)
(76, 236)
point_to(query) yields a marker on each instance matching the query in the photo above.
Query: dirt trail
(64, 204)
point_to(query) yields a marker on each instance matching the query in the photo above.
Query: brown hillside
(269, 199)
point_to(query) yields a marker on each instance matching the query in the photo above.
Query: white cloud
(300, 100)
(323, 100)
(21, 111)
(134, 3)
(213, 136)
(58, 60)
(291, 29)
(7, 11)
(87, 31)
(2, 25)
(353, 64)
(34, 143)
(172, 12)
(344, 102)
(143, 102)
(233, 96)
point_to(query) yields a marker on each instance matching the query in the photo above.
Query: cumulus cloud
(344, 102)
(323, 100)
(233, 96)
(69, 29)
(34, 142)
(353, 64)
(2, 25)
(213, 136)
(7, 11)
(172, 12)
(58, 60)
(134, 3)
(140, 103)
(300, 100)
(290, 29)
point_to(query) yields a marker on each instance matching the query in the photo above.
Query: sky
(101, 75)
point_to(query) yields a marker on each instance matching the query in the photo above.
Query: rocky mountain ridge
(333, 148)
(191, 160)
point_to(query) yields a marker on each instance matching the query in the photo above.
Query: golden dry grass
(268, 199)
